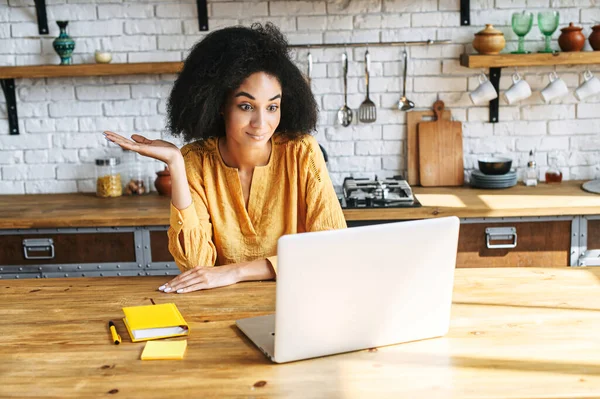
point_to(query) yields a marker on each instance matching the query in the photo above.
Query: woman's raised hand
(157, 149)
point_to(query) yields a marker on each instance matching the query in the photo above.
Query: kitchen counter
(514, 333)
(86, 210)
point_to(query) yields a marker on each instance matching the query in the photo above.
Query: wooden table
(87, 210)
(526, 333)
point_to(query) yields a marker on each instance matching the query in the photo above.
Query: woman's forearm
(256, 270)
(180, 190)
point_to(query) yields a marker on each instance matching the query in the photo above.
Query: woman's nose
(258, 119)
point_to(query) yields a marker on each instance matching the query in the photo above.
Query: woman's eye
(273, 108)
(245, 107)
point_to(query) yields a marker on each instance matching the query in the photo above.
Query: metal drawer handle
(38, 245)
(500, 233)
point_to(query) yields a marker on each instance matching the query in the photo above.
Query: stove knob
(369, 202)
(352, 202)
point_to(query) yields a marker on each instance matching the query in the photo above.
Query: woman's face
(252, 111)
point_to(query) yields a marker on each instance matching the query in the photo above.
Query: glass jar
(108, 177)
(136, 180)
(553, 174)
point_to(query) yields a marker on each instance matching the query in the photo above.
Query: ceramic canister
(489, 40)
(595, 38)
(571, 38)
(163, 182)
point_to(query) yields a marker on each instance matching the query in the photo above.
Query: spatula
(367, 113)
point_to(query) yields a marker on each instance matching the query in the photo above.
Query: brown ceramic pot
(571, 38)
(163, 182)
(595, 38)
(489, 40)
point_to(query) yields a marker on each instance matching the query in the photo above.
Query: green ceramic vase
(63, 44)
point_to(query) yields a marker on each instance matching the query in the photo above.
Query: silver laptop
(358, 288)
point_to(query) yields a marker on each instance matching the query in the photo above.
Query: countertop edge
(78, 210)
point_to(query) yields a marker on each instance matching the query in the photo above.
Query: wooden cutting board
(413, 118)
(440, 151)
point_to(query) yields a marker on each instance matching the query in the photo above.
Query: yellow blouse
(291, 194)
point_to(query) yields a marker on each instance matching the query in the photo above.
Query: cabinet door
(593, 234)
(539, 244)
(69, 248)
(159, 246)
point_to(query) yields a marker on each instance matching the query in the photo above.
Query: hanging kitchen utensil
(405, 104)
(367, 113)
(310, 67)
(345, 113)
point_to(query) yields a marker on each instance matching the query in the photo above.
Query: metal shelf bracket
(8, 87)
(202, 14)
(465, 12)
(40, 9)
(495, 74)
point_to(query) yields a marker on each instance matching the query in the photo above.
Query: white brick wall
(61, 119)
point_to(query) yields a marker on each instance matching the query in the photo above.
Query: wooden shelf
(10, 73)
(523, 60)
(55, 71)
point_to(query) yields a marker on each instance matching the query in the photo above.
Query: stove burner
(392, 192)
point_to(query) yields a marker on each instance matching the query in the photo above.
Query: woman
(252, 172)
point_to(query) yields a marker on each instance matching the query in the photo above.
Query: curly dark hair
(219, 63)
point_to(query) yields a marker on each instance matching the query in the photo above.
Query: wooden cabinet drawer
(70, 248)
(539, 244)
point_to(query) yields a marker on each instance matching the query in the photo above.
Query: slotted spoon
(367, 113)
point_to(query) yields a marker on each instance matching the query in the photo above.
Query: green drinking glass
(548, 23)
(521, 25)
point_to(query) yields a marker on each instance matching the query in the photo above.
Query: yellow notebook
(154, 321)
(164, 350)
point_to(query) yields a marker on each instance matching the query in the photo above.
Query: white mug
(556, 88)
(589, 87)
(520, 90)
(484, 92)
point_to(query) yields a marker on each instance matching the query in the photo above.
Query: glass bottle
(108, 177)
(136, 181)
(531, 171)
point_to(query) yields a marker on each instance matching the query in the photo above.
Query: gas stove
(393, 192)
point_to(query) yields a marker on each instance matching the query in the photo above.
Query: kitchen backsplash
(61, 118)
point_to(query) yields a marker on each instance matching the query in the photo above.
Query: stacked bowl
(494, 172)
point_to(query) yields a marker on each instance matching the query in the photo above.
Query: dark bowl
(494, 165)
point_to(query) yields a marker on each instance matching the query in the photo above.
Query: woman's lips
(256, 137)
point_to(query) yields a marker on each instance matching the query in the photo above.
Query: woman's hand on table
(157, 149)
(202, 278)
